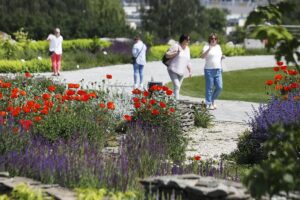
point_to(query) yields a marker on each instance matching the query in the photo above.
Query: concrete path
(123, 75)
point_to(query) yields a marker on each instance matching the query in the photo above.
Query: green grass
(242, 85)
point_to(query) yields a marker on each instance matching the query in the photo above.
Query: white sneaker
(135, 86)
(210, 107)
(215, 106)
(141, 86)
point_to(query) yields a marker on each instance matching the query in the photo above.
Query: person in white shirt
(179, 54)
(55, 51)
(212, 70)
(139, 54)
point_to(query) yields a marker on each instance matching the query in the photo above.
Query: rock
(4, 174)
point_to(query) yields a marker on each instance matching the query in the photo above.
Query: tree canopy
(75, 18)
(169, 18)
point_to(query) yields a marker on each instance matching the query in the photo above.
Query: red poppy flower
(73, 85)
(286, 88)
(1, 95)
(26, 124)
(169, 92)
(92, 95)
(6, 85)
(294, 85)
(165, 88)
(108, 76)
(30, 103)
(127, 117)
(197, 157)
(46, 96)
(279, 63)
(37, 118)
(137, 105)
(14, 95)
(143, 100)
(172, 109)
(276, 69)
(3, 113)
(27, 75)
(81, 92)
(269, 82)
(278, 77)
(23, 93)
(136, 91)
(84, 98)
(26, 109)
(37, 106)
(162, 104)
(153, 88)
(70, 92)
(278, 87)
(51, 88)
(110, 105)
(146, 93)
(135, 99)
(155, 112)
(292, 72)
(284, 67)
(152, 101)
(102, 105)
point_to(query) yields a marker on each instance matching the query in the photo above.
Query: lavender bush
(250, 146)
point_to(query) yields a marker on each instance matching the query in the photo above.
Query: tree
(267, 21)
(76, 18)
(170, 18)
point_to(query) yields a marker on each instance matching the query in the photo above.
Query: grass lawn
(243, 85)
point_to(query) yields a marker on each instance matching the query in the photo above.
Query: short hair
(183, 37)
(137, 37)
(57, 30)
(211, 36)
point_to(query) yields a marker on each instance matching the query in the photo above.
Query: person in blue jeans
(212, 53)
(139, 53)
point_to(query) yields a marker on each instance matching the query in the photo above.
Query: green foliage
(24, 192)
(84, 18)
(202, 117)
(34, 65)
(101, 194)
(21, 36)
(172, 18)
(232, 51)
(277, 36)
(4, 197)
(280, 172)
(264, 14)
(248, 150)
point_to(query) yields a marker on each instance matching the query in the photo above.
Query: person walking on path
(179, 54)
(55, 51)
(139, 60)
(212, 70)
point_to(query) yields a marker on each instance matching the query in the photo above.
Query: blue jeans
(213, 84)
(138, 71)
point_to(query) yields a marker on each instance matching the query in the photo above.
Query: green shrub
(202, 117)
(280, 171)
(248, 150)
(24, 192)
(4, 197)
(34, 65)
(233, 51)
(100, 194)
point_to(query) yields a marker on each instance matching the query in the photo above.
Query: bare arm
(203, 55)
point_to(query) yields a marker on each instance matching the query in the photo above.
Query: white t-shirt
(213, 58)
(180, 62)
(55, 43)
(139, 51)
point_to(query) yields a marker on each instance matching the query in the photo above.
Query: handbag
(166, 61)
(133, 59)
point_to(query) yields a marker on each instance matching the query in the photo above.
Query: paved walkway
(123, 75)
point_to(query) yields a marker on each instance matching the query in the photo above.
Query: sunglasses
(214, 39)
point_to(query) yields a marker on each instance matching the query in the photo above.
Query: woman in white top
(139, 53)
(55, 51)
(180, 61)
(212, 70)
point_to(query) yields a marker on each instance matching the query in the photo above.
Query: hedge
(34, 65)
(157, 52)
